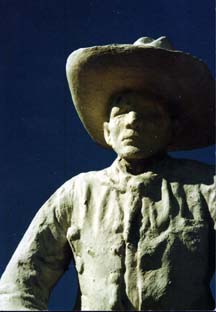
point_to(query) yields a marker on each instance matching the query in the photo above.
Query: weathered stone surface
(141, 232)
(97, 73)
(139, 241)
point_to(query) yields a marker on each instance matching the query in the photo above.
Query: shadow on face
(139, 125)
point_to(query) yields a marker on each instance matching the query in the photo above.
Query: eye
(154, 115)
(118, 99)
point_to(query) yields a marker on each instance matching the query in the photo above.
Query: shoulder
(85, 179)
(192, 165)
(89, 177)
(191, 171)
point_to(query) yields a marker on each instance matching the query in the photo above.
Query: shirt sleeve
(41, 258)
(209, 193)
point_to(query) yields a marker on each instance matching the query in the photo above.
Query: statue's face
(139, 126)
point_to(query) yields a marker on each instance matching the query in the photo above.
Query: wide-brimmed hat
(97, 73)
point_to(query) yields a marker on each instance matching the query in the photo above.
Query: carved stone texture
(141, 232)
(139, 242)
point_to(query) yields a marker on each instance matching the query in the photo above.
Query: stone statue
(141, 232)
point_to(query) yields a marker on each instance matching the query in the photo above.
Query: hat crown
(161, 43)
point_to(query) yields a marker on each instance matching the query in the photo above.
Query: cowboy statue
(141, 232)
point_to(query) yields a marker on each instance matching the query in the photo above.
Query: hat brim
(95, 74)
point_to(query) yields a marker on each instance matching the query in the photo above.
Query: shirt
(138, 242)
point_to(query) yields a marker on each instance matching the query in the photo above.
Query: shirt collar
(119, 175)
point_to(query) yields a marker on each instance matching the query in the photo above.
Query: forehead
(136, 99)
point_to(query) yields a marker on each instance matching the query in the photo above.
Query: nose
(132, 119)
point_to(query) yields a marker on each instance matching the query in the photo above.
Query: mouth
(131, 135)
(131, 141)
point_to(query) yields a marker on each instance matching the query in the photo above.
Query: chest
(126, 240)
(144, 221)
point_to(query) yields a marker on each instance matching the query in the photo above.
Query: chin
(134, 153)
(135, 157)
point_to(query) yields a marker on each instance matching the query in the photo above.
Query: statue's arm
(40, 259)
(209, 193)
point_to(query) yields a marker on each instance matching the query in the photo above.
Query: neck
(138, 166)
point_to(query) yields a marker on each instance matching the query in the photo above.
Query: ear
(107, 133)
(176, 128)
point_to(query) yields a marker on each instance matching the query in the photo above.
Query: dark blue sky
(42, 141)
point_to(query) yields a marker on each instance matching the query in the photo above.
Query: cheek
(163, 133)
(115, 130)
(157, 133)
(162, 127)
